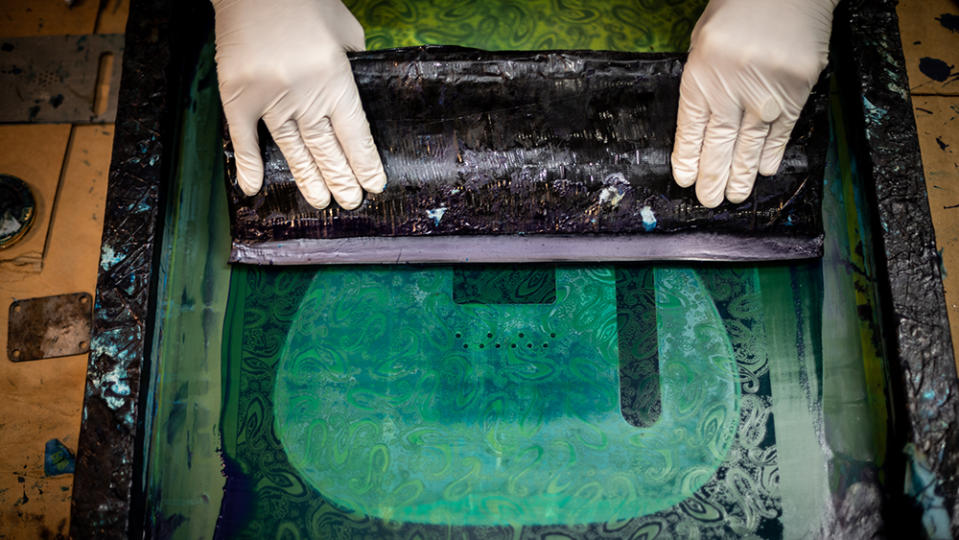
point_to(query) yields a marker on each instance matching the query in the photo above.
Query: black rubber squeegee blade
(530, 156)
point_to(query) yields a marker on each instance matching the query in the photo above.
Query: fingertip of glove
(769, 165)
(770, 169)
(684, 179)
(683, 175)
(710, 191)
(376, 184)
(247, 186)
(315, 194)
(351, 204)
(349, 198)
(737, 196)
(710, 201)
(740, 185)
(318, 203)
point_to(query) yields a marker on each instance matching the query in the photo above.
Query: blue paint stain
(436, 214)
(57, 459)
(113, 386)
(923, 487)
(649, 218)
(874, 113)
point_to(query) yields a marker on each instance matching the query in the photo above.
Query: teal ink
(57, 459)
(406, 409)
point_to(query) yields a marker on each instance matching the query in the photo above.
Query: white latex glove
(285, 61)
(751, 66)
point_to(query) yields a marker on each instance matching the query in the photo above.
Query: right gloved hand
(285, 61)
(751, 66)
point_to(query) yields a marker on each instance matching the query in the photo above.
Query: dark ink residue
(949, 21)
(941, 144)
(237, 503)
(6, 47)
(935, 68)
(589, 156)
(178, 411)
(56, 100)
(167, 525)
(923, 384)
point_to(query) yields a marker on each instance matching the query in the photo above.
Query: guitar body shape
(394, 401)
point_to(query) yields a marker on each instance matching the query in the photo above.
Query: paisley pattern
(282, 437)
(739, 496)
(504, 284)
(639, 397)
(498, 414)
(615, 25)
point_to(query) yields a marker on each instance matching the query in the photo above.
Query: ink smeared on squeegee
(530, 156)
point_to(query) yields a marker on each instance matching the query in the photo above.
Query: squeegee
(530, 157)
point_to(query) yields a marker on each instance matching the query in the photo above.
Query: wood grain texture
(21, 18)
(33, 153)
(924, 25)
(42, 399)
(937, 119)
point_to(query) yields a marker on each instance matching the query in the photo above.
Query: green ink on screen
(418, 409)
(435, 426)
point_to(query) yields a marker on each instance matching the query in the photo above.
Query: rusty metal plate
(49, 327)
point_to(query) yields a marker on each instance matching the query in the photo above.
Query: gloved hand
(751, 66)
(285, 61)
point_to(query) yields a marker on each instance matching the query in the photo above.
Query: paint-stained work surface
(915, 320)
(937, 119)
(930, 32)
(930, 29)
(570, 148)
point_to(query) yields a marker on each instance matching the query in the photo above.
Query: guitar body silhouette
(415, 408)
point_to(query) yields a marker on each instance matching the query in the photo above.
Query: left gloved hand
(285, 61)
(751, 66)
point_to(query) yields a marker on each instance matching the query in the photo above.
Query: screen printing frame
(163, 40)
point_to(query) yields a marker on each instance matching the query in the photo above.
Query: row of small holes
(513, 346)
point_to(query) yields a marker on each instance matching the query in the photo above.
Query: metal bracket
(49, 327)
(58, 79)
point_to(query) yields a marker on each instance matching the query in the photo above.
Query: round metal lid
(17, 210)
